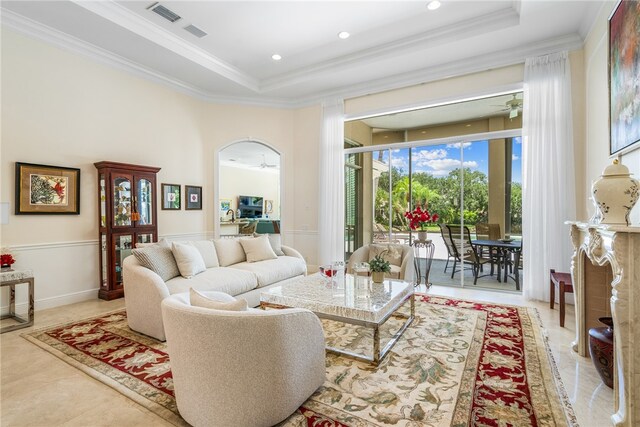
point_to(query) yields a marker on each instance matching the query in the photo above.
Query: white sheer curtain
(331, 177)
(548, 171)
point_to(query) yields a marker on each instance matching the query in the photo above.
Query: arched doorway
(248, 188)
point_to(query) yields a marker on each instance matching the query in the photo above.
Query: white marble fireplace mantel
(606, 279)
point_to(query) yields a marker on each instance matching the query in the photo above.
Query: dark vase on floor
(601, 350)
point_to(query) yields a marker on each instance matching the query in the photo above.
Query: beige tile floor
(38, 389)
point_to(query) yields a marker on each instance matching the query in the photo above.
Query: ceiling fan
(513, 106)
(264, 164)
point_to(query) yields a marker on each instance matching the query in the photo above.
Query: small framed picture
(171, 197)
(192, 197)
(225, 205)
(268, 206)
(43, 189)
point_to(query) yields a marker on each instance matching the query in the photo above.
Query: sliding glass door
(472, 185)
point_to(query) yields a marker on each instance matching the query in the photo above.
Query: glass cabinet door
(144, 238)
(123, 244)
(145, 202)
(104, 261)
(103, 202)
(121, 201)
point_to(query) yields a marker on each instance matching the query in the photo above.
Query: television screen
(250, 206)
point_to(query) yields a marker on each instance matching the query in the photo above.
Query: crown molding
(133, 22)
(478, 63)
(452, 33)
(484, 62)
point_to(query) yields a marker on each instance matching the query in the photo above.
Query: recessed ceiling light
(433, 5)
(343, 35)
(276, 57)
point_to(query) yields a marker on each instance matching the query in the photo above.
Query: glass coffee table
(349, 299)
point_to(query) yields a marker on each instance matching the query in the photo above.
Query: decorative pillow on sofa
(208, 252)
(258, 249)
(275, 241)
(198, 299)
(229, 252)
(391, 253)
(188, 258)
(159, 259)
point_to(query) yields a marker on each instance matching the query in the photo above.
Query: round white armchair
(242, 368)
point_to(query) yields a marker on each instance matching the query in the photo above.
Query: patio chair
(451, 253)
(486, 231)
(465, 252)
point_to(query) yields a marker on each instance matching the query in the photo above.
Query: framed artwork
(268, 206)
(192, 197)
(44, 189)
(171, 197)
(225, 205)
(624, 68)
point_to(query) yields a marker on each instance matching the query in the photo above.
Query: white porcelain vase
(615, 193)
(422, 236)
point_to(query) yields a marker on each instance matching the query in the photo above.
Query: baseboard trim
(57, 301)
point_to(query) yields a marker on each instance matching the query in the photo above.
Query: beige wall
(596, 103)
(60, 108)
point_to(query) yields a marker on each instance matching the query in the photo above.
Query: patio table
(505, 249)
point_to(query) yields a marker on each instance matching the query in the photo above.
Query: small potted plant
(378, 266)
(6, 260)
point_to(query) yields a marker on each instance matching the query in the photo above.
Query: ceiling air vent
(164, 12)
(195, 31)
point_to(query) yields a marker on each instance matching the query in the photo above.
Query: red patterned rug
(460, 363)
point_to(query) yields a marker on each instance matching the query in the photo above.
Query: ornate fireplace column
(606, 261)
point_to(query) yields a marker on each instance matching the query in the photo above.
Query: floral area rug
(460, 363)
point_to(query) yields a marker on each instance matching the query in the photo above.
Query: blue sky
(439, 160)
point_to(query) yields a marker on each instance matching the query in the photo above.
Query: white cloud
(457, 145)
(515, 157)
(450, 164)
(400, 163)
(422, 157)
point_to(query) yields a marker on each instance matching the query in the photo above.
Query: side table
(423, 264)
(11, 279)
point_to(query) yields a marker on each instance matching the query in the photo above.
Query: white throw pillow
(258, 249)
(188, 258)
(212, 301)
(275, 241)
(391, 253)
(229, 252)
(208, 252)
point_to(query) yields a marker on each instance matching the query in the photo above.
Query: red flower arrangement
(418, 218)
(6, 259)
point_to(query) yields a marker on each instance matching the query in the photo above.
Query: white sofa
(242, 368)
(145, 289)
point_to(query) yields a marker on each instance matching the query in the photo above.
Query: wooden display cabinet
(127, 215)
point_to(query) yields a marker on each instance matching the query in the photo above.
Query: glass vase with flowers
(419, 220)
